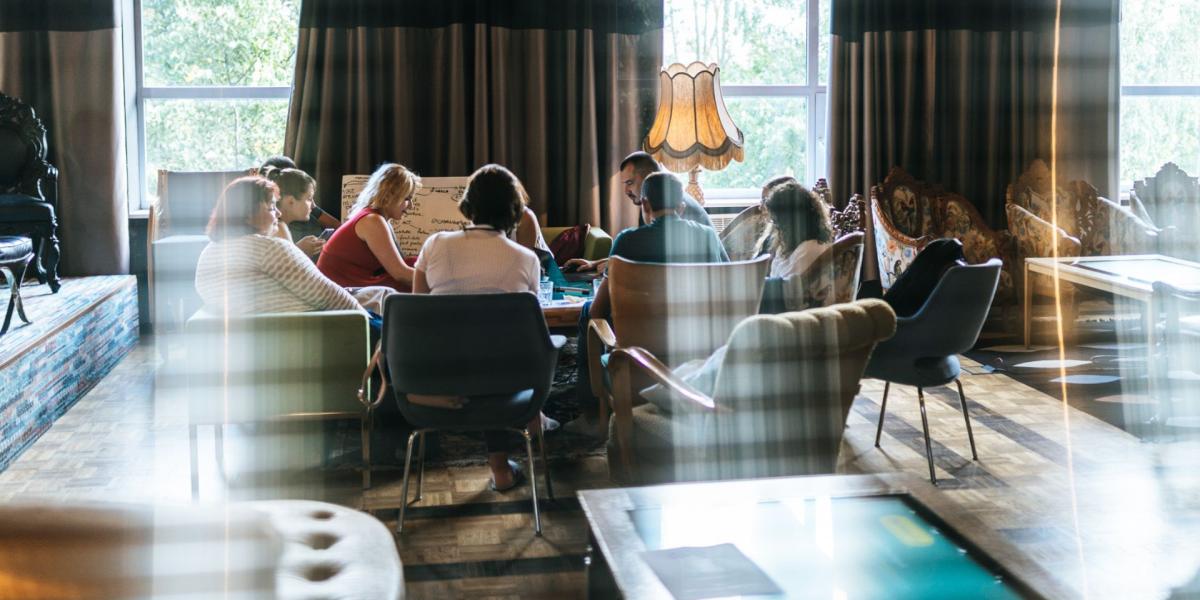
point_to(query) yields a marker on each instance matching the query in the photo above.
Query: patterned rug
(467, 449)
(1103, 372)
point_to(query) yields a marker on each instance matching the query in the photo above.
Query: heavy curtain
(63, 58)
(556, 90)
(959, 93)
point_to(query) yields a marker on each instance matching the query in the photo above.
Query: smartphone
(325, 235)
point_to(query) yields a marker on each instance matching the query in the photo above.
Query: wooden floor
(1111, 516)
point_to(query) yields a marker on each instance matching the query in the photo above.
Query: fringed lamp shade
(692, 128)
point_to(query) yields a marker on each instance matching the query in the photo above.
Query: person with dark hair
(665, 238)
(802, 226)
(482, 259)
(246, 270)
(634, 170)
(316, 221)
(296, 189)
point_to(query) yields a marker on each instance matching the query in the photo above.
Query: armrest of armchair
(597, 245)
(622, 364)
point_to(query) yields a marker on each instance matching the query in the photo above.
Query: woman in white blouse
(246, 270)
(483, 259)
(803, 228)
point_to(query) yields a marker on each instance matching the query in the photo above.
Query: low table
(1128, 276)
(861, 536)
(561, 315)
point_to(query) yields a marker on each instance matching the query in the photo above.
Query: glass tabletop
(1146, 270)
(860, 547)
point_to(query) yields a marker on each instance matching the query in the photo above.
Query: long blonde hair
(389, 184)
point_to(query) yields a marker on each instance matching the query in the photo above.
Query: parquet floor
(1111, 516)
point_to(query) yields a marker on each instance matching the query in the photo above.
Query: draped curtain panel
(556, 90)
(960, 94)
(63, 58)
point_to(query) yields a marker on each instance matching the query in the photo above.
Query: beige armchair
(1170, 200)
(677, 311)
(746, 235)
(778, 406)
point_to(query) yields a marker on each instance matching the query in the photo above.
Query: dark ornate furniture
(28, 186)
(15, 255)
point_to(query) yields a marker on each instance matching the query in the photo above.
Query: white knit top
(477, 261)
(255, 274)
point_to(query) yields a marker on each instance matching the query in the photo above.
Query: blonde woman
(363, 252)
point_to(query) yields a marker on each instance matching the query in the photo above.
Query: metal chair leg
(404, 487)
(882, 409)
(545, 465)
(962, 399)
(537, 516)
(925, 426)
(420, 467)
(365, 430)
(194, 451)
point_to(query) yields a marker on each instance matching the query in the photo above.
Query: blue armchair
(924, 351)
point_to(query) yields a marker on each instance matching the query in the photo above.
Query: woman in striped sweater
(245, 270)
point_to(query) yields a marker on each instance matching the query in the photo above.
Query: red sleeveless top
(348, 261)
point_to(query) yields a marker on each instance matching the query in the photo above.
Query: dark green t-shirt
(670, 239)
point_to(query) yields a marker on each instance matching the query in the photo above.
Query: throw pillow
(700, 374)
(569, 244)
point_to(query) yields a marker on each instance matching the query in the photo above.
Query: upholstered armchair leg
(365, 431)
(537, 516)
(882, 409)
(962, 399)
(623, 415)
(541, 435)
(420, 467)
(195, 462)
(404, 485)
(928, 443)
(49, 258)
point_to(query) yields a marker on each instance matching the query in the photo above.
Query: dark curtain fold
(959, 93)
(557, 90)
(63, 57)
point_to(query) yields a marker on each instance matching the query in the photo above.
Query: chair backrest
(831, 279)
(955, 311)
(786, 386)
(186, 200)
(23, 166)
(1170, 197)
(906, 204)
(261, 367)
(682, 311)
(467, 344)
(741, 235)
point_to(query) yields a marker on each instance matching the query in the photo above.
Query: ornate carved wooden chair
(902, 215)
(744, 236)
(28, 186)
(1171, 198)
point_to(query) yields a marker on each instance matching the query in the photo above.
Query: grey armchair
(494, 349)
(924, 351)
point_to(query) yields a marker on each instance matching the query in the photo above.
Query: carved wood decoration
(20, 119)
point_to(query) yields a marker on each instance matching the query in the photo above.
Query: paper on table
(694, 573)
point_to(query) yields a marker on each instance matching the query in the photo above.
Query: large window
(774, 59)
(1160, 87)
(211, 84)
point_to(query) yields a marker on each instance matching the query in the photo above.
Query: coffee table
(562, 314)
(859, 536)
(1128, 276)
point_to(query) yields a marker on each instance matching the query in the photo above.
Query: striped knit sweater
(258, 274)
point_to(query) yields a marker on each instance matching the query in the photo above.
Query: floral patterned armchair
(902, 215)
(832, 279)
(1170, 200)
(908, 214)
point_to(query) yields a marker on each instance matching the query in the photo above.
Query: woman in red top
(363, 252)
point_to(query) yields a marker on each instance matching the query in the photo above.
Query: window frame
(137, 93)
(817, 95)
